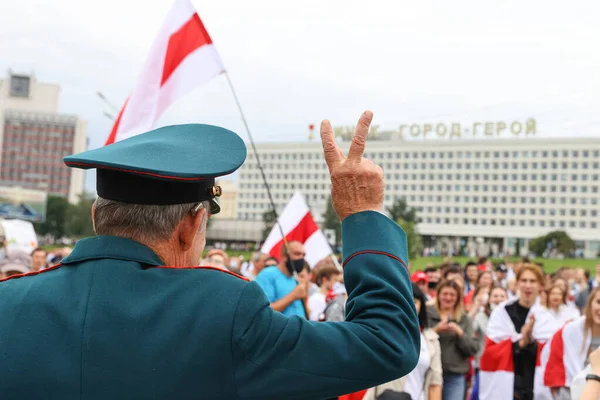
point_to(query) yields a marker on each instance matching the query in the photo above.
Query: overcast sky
(295, 63)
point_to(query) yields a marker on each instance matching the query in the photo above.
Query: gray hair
(144, 223)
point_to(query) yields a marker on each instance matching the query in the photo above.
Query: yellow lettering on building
(455, 130)
(530, 127)
(426, 129)
(500, 126)
(441, 130)
(516, 127)
(415, 130)
(374, 130)
(488, 129)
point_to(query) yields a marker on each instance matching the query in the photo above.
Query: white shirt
(579, 382)
(247, 269)
(565, 313)
(415, 381)
(316, 304)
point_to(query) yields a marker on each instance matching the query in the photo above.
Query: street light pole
(107, 102)
(109, 116)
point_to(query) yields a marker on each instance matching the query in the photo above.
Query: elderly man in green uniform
(129, 314)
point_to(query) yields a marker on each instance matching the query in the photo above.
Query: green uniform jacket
(112, 323)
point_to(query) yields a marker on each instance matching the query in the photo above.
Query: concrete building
(493, 194)
(225, 226)
(34, 138)
(228, 200)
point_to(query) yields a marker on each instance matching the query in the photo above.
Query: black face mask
(432, 285)
(295, 265)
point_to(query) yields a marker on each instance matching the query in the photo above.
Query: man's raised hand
(356, 183)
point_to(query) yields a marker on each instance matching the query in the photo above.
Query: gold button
(216, 191)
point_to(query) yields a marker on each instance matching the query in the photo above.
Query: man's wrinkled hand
(356, 183)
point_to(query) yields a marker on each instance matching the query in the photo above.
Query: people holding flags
(297, 224)
(517, 330)
(571, 346)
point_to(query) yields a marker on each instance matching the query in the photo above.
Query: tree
(332, 221)
(79, 221)
(400, 210)
(269, 219)
(415, 242)
(557, 240)
(56, 216)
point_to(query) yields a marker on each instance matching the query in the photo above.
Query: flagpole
(262, 172)
(336, 262)
(264, 177)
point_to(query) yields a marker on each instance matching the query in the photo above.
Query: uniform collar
(113, 247)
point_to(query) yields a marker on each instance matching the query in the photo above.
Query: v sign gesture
(356, 183)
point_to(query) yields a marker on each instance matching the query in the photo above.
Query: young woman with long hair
(480, 322)
(457, 340)
(571, 346)
(485, 279)
(556, 303)
(425, 381)
(566, 287)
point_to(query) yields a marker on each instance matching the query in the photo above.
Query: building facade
(494, 193)
(34, 138)
(228, 200)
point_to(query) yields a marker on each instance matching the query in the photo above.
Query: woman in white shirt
(425, 381)
(556, 303)
(327, 276)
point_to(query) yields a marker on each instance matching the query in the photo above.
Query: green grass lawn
(550, 265)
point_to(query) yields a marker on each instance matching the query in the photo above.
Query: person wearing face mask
(433, 276)
(286, 292)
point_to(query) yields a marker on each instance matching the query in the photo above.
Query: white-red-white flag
(181, 58)
(298, 225)
(567, 354)
(497, 372)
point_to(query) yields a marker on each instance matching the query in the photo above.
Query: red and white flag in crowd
(497, 373)
(181, 58)
(568, 351)
(298, 225)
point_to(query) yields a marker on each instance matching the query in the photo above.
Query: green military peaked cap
(175, 164)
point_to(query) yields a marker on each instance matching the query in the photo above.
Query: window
(19, 86)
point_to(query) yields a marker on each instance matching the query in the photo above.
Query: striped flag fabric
(181, 58)
(567, 354)
(497, 373)
(298, 224)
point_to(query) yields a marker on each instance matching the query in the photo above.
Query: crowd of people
(20, 262)
(489, 331)
(484, 327)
